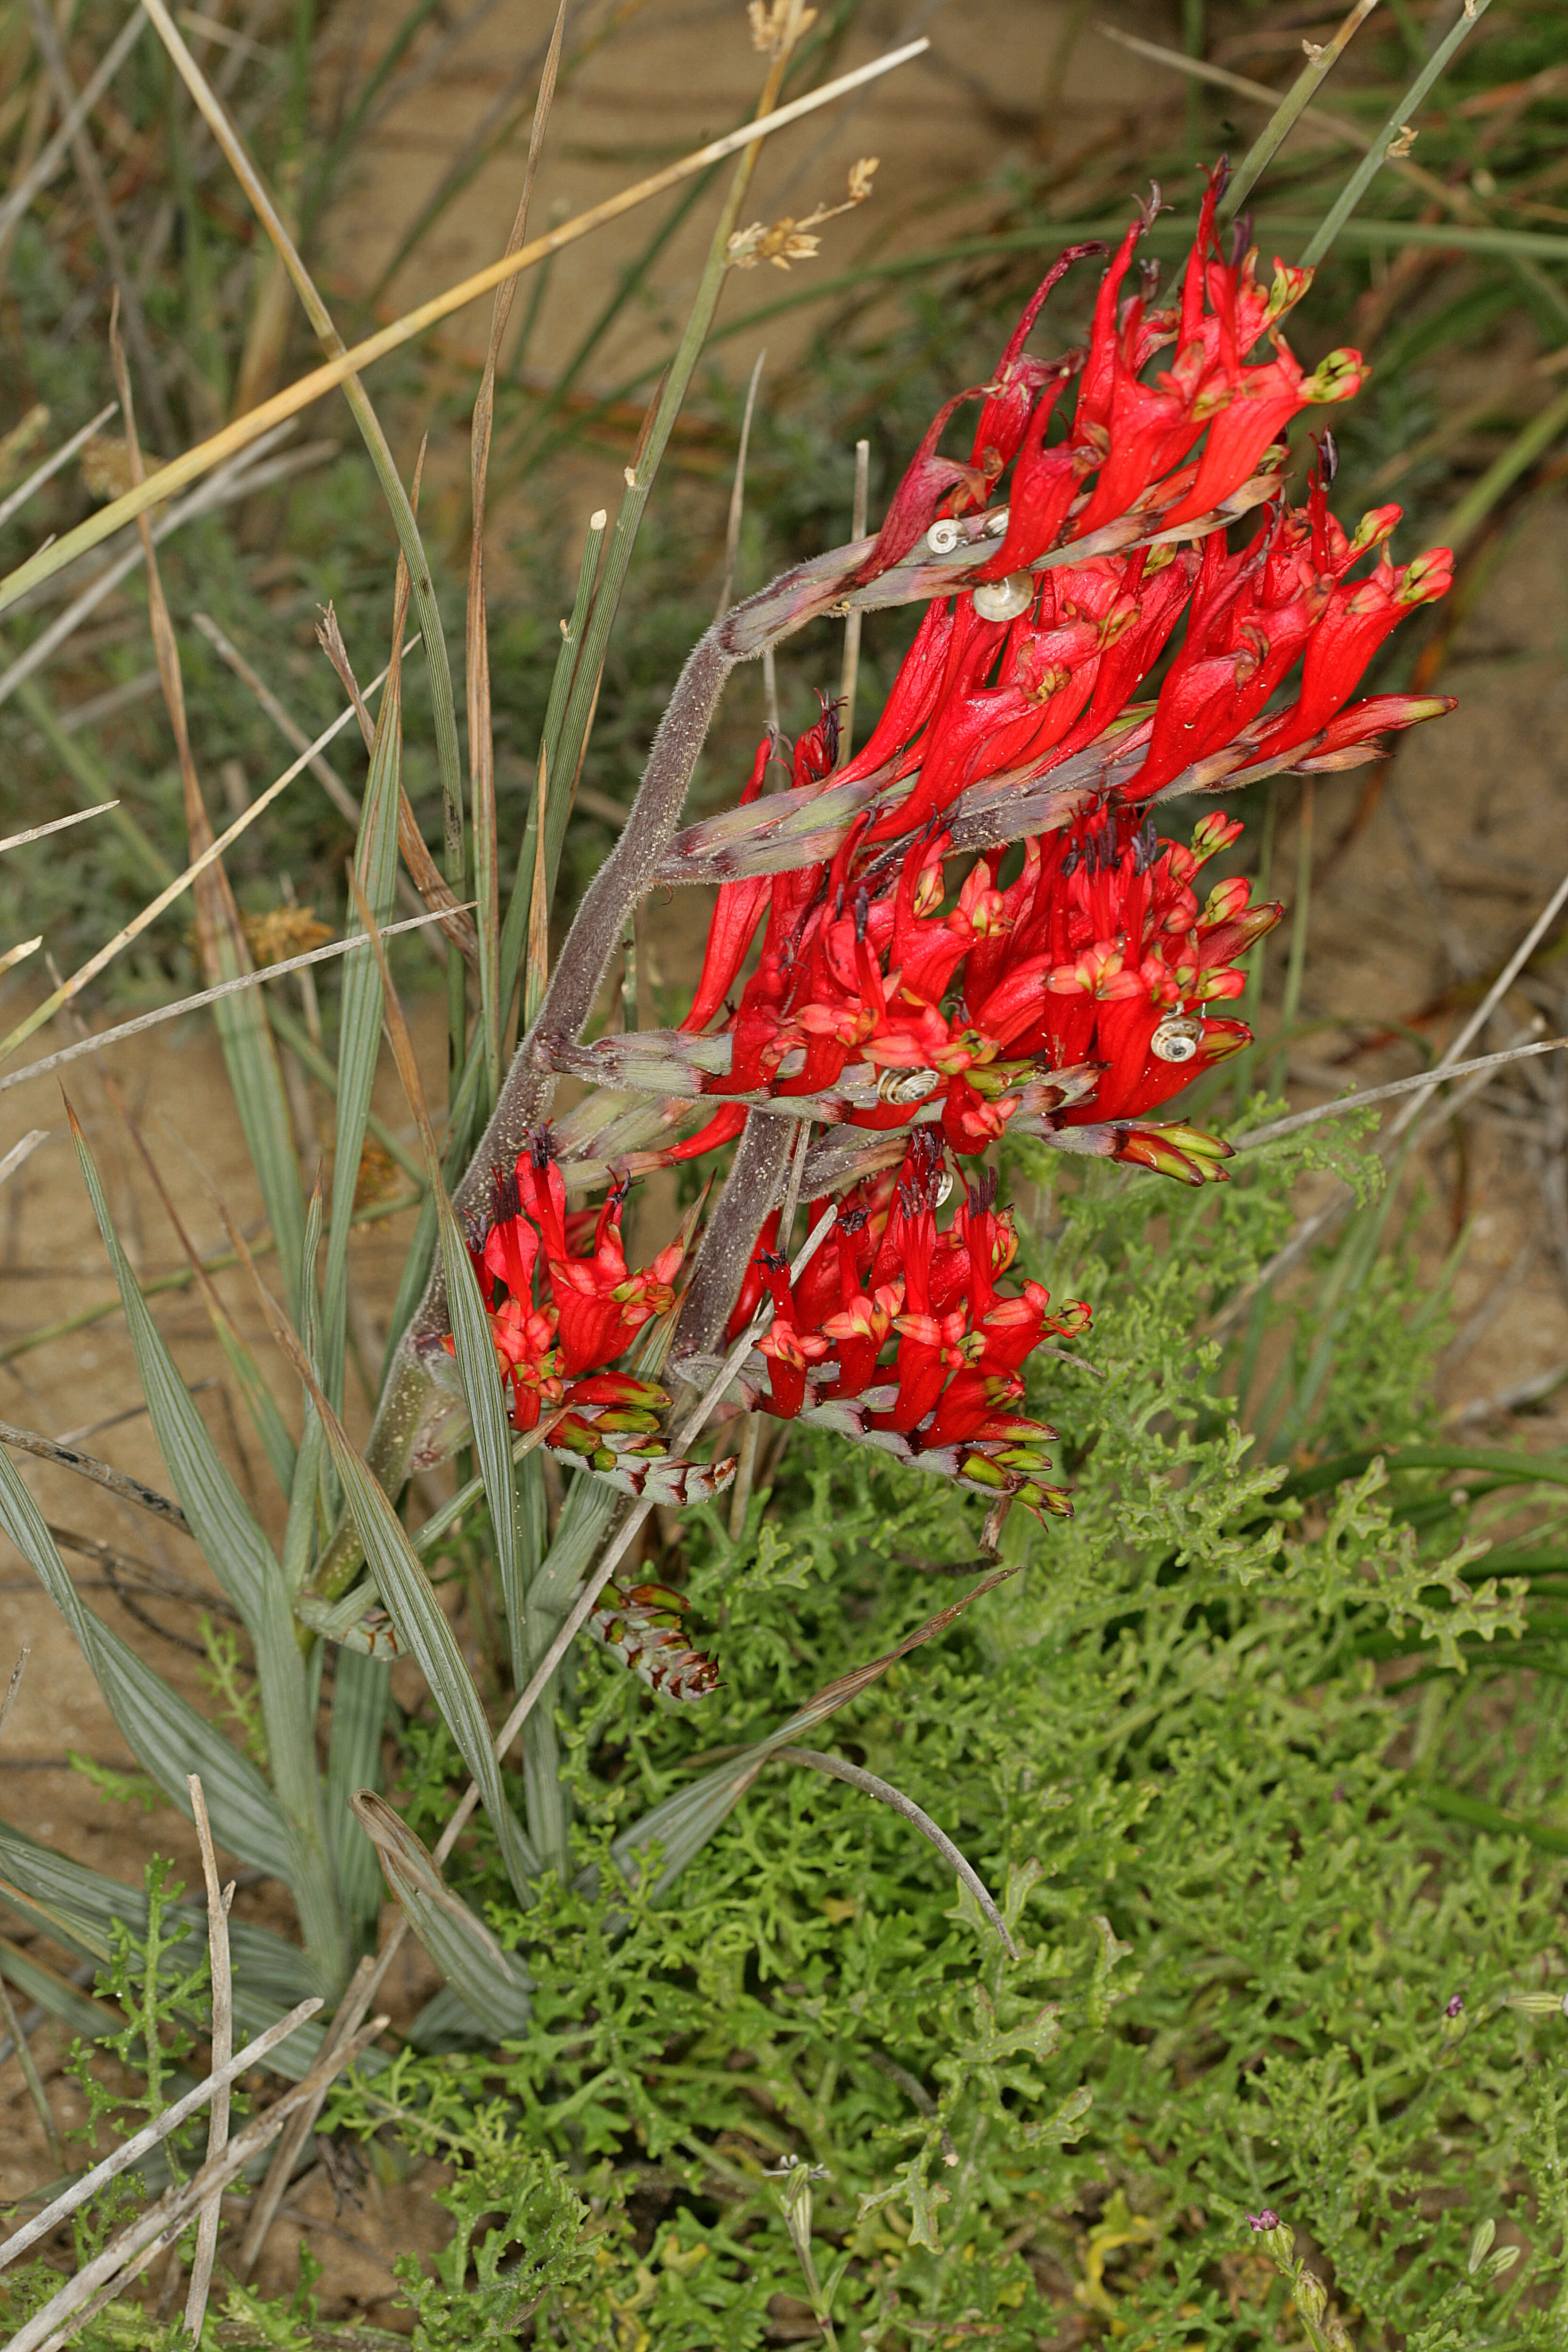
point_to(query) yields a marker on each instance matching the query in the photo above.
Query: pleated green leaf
(163, 1732)
(256, 1076)
(353, 1761)
(488, 1979)
(242, 1560)
(423, 1627)
(359, 1027)
(480, 1375)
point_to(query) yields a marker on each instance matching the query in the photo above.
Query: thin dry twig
(17, 499)
(131, 2252)
(96, 1043)
(218, 1900)
(141, 2143)
(87, 1465)
(1421, 1085)
(21, 1150)
(869, 1785)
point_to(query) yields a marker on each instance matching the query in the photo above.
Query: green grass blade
(514, 929)
(1320, 64)
(486, 1399)
(1405, 113)
(359, 1032)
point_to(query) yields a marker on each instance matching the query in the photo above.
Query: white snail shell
(1177, 1038)
(943, 1188)
(1004, 600)
(945, 535)
(906, 1086)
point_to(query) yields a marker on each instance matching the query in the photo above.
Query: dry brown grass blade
(481, 735)
(16, 500)
(313, 386)
(219, 1898)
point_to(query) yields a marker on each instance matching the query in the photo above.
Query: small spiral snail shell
(906, 1086)
(1177, 1038)
(1004, 600)
(945, 535)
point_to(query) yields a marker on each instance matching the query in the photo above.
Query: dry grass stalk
(1421, 1085)
(155, 907)
(308, 389)
(477, 647)
(849, 674)
(738, 489)
(17, 499)
(132, 2153)
(134, 2248)
(230, 482)
(90, 174)
(202, 996)
(56, 824)
(14, 1685)
(343, 2035)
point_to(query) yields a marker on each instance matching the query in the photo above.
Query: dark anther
(1071, 858)
(541, 1148)
(1328, 457)
(508, 1203)
(862, 916)
(1240, 238)
(853, 1221)
(1145, 844)
(773, 1261)
(982, 1191)
(618, 1191)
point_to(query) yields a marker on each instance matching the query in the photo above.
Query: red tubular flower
(735, 918)
(1356, 618)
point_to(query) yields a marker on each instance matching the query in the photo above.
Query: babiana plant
(969, 943)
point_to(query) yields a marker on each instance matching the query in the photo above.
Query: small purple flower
(1455, 2007)
(1268, 2220)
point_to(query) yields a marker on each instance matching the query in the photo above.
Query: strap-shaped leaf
(163, 1732)
(240, 1555)
(423, 1627)
(353, 1761)
(358, 1026)
(485, 1400)
(84, 1906)
(221, 1520)
(488, 1980)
